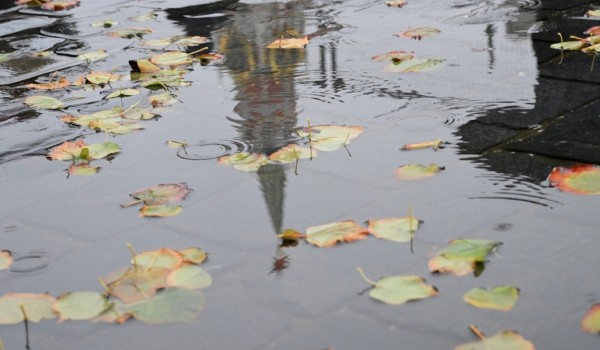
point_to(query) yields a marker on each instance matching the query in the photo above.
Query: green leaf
(161, 210)
(100, 78)
(102, 150)
(162, 194)
(461, 256)
(93, 56)
(123, 93)
(580, 179)
(80, 305)
(129, 33)
(137, 113)
(104, 23)
(6, 259)
(85, 120)
(164, 257)
(168, 306)
(43, 102)
(419, 33)
(193, 255)
(505, 340)
(330, 137)
(172, 58)
(591, 321)
(37, 307)
(397, 290)
(417, 171)
(501, 298)
(394, 229)
(329, 235)
(414, 65)
(396, 56)
(189, 277)
(83, 169)
(292, 153)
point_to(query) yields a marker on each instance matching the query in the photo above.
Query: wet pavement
(564, 124)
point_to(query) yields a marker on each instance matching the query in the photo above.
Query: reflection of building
(264, 79)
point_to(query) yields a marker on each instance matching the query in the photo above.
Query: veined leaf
(36, 307)
(6, 259)
(80, 305)
(329, 235)
(394, 229)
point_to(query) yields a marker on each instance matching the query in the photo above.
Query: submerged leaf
(80, 305)
(329, 235)
(36, 306)
(104, 23)
(162, 194)
(6, 259)
(43, 102)
(591, 321)
(170, 305)
(289, 43)
(394, 229)
(162, 210)
(580, 179)
(501, 298)
(417, 171)
(505, 340)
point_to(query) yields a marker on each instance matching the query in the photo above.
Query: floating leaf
(417, 171)
(461, 256)
(291, 153)
(162, 194)
(36, 306)
(114, 126)
(123, 93)
(193, 255)
(85, 120)
(593, 13)
(394, 229)
(501, 298)
(396, 56)
(189, 277)
(330, 137)
(414, 65)
(291, 235)
(593, 30)
(170, 305)
(83, 169)
(329, 235)
(244, 161)
(176, 144)
(580, 179)
(419, 33)
(164, 257)
(172, 58)
(505, 340)
(101, 150)
(93, 56)
(396, 3)
(59, 5)
(397, 290)
(61, 83)
(6, 259)
(138, 284)
(177, 40)
(591, 321)
(80, 305)
(143, 66)
(163, 99)
(100, 78)
(43, 102)
(435, 144)
(136, 113)
(212, 56)
(573, 45)
(104, 23)
(67, 150)
(162, 210)
(143, 17)
(128, 33)
(289, 43)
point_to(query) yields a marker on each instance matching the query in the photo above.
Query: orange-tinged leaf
(435, 144)
(67, 150)
(289, 43)
(461, 256)
(398, 56)
(160, 210)
(593, 30)
(505, 340)
(143, 66)
(162, 99)
(441, 264)
(172, 58)
(6, 259)
(591, 321)
(244, 161)
(59, 5)
(290, 234)
(138, 284)
(396, 3)
(417, 171)
(193, 255)
(80, 305)
(580, 179)
(419, 33)
(213, 56)
(292, 153)
(83, 169)
(329, 235)
(162, 194)
(37, 307)
(164, 257)
(53, 85)
(43, 102)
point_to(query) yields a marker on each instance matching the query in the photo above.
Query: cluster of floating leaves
(319, 137)
(161, 286)
(81, 154)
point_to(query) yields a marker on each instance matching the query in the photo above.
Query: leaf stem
(127, 205)
(132, 251)
(26, 321)
(477, 332)
(367, 279)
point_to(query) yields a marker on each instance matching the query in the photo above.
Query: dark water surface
(70, 231)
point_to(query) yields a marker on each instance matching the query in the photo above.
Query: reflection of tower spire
(272, 182)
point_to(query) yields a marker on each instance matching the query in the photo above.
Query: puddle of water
(254, 100)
